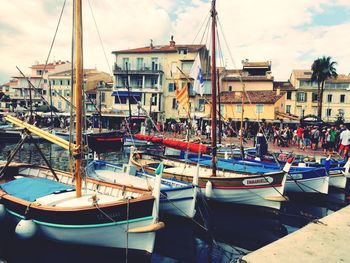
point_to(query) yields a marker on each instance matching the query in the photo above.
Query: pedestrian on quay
(306, 138)
(315, 137)
(300, 142)
(344, 142)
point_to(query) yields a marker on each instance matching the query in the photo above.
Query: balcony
(146, 70)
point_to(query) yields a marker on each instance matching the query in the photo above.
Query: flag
(196, 74)
(182, 95)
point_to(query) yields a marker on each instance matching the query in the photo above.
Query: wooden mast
(78, 91)
(213, 88)
(242, 116)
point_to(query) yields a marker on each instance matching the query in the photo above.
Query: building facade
(61, 96)
(303, 99)
(146, 79)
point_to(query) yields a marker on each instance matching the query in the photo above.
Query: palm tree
(322, 69)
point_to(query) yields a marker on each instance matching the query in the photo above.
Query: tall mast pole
(78, 90)
(213, 88)
(219, 108)
(242, 116)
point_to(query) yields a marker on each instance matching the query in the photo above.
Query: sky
(290, 33)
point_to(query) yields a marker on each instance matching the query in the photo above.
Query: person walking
(344, 142)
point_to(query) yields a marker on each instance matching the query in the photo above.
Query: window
(68, 82)
(314, 96)
(288, 108)
(59, 105)
(139, 63)
(120, 100)
(126, 64)
(103, 97)
(44, 92)
(154, 98)
(154, 82)
(289, 95)
(171, 87)
(174, 106)
(239, 108)
(342, 98)
(124, 81)
(301, 96)
(201, 103)
(229, 88)
(139, 82)
(61, 82)
(259, 108)
(45, 80)
(135, 99)
(329, 112)
(186, 66)
(182, 51)
(173, 69)
(190, 90)
(329, 98)
(154, 64)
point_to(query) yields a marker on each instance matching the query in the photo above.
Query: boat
(60, 206)
(177, 197)
(108, 141)
(99, 142)
(15, 135)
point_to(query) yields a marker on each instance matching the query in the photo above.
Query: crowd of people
(330, 138)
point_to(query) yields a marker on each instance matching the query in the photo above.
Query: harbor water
(219, 232)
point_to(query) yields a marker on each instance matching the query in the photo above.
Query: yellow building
(261, 100)
(257, 105)
(151, 73)
(303, 100)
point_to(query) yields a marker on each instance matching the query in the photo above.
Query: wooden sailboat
(61, 206)
(244, 185)
(177, 197)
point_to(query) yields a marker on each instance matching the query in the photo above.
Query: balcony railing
(141, 70)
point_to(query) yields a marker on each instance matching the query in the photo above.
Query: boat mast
(242, 115)
(213, 88)
(78, 90)
(219, 108)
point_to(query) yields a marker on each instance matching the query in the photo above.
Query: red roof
(49, 65)
(255, 97)
(161, 49)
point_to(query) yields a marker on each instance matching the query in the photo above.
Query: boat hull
(114, 235)
(100, 217)
(179, 202)
(310, 185)
(257, 190)
(337, 179)
(177, 198)
(105, 142)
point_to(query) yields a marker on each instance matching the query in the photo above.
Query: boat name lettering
(103, 216)
(258, 181)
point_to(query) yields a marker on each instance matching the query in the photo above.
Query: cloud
(284, 32)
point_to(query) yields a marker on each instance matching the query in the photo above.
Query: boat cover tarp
(30, 189)
(176, 144)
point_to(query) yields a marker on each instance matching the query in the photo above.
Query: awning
(126, 94)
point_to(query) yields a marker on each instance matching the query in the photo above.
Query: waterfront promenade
(326, 240)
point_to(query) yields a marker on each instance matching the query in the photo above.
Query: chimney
(278, 91)
(172, 42)
(151, 44)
